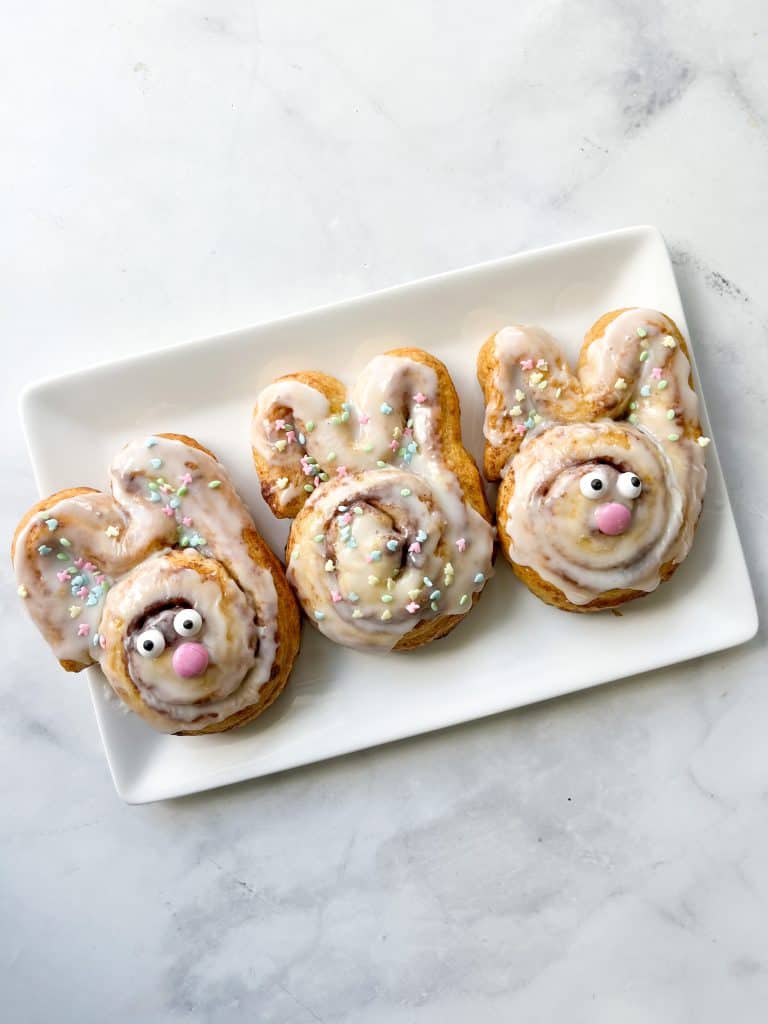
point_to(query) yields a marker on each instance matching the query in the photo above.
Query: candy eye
(629, 486)
(593, 485)
(188, 622)
(150, 643)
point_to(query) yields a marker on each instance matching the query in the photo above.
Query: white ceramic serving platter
(512, 649)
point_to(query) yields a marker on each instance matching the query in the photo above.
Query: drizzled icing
(386, 538)
(94, 565)
(635, 411)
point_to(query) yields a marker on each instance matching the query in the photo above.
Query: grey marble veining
(177, 169)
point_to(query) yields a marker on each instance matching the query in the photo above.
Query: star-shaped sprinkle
(420, 398)
(74, 611)
(112, 531)
(656, 373)
(461, 544)
(168, 511)
(526, 364)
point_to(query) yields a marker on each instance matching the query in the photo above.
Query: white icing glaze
(634, 370)
(384, 442)
(161, 500)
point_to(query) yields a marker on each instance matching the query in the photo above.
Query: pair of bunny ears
(633, 366)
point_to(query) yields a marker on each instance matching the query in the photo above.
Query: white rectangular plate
(512, 650)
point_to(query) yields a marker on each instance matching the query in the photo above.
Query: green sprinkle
(335, 421)
(185, 542)
(381, 464)
(152, 485)
(309, 488)
(641, 332)
(330, 456)
(670, 414)
(367, 447)
(463, 599)
(434, 606)
(345, 416)
(644, 355)
(323, 476)
(61, 556)
(319, 538)
(673, 437)
(386, 598)
(633, 405)
(435, 595)
(65, 543)
(357, 510)
(632, 417)
(405, 493)
(310, 425)
(662, 384)
(184, 490)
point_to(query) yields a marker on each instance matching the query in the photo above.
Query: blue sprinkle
(302, 439)
(91, 600)
(319, 616)
(151, 442)
(345, 532)
(386, 408)
(421, 536)
(155, 496)
(392, 545)
(345, 406)
(353, 597)
(78, 581)
(413, 448)
(51, 524)
(44, 550)
(352, 543)
(529, 422)
(480, 577)
(174, 502)
(96, 640)
(375, 556)
(645, 390)
(97, 590)
(435, 595)
(155, 463)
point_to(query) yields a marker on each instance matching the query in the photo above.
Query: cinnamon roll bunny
(166, 585)
(391, 543)
(603, 470)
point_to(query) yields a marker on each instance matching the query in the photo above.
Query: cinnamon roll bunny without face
(166, 585)
(603, 470)
(391, 544)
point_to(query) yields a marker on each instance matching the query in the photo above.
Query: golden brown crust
(455, 455)
(496, 458)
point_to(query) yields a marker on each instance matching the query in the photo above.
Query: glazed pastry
(166, 585)
(391, 543)
(603, 470)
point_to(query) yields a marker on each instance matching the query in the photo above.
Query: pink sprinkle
(656, 373)
(102, 642)
(82, 592)
(279, 424)
(408, 432)
(412, 607)
(420, 398)
(79, 562)
(99, 577)
(461, 544)
(89, 567)
(290, 436)
(346, 519)
(168, 511)
(186, 478)
(341, 471)
(63, 576)
(83, 629)
(317, 481)
(364, 418)
(394, 445)
(520, 428)
(526, 364)
(415, 548)
(368, 558)
(335, 596)
(186, 521)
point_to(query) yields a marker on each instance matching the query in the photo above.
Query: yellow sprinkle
(22, 591)
(282, 482)
(519, 395)
(558, 392)
(669, 342)
(413, 594)
(386, 615)
(374, 580)
(112, 531)
(704, 441)
(536, 418)
(544, 384)
(535, 378)
(390, 584)
(621, 384)
(357, 614)
(515, 410)
(329, 566)
(74, 611)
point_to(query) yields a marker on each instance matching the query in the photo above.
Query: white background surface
(177, 169)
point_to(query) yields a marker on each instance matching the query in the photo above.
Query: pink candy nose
(189, 660)
(612, 518)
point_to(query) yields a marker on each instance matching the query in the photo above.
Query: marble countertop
(174, 170)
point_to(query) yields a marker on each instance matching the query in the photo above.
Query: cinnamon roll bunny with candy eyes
(603, 470)
(166, 585)
(391, 543)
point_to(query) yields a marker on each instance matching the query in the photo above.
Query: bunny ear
(306, 430)
(634, 364)
(526, 382)
(64, 555)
